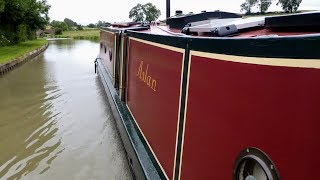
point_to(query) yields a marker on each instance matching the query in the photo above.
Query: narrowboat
(215, 95)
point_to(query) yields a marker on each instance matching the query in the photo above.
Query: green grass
(8, 53)
(84, 34)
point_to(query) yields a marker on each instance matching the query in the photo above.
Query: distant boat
(216, 96)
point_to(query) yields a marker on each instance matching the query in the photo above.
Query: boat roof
(230, 25)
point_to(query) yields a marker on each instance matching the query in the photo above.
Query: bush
(22, 34)
(4, 41)
(79, 28)
(10, 35)
(58, 31)
(32, 35)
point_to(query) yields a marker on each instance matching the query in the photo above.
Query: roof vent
(178, 12)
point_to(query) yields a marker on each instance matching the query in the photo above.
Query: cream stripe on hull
(110, 32)
(159, 45)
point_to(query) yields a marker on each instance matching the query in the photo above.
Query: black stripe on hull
(182, 114)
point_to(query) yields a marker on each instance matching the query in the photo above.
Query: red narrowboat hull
(189, 106)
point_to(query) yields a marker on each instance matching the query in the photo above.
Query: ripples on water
(55, 122)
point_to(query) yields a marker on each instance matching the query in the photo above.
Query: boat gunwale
(125, 122)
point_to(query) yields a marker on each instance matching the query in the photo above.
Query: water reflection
(54, 119)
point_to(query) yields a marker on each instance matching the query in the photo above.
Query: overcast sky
(90, 11)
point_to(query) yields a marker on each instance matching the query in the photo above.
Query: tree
(91, 25)
(147, 12)
(263, 5)
(70, 23)
(19, 19)
(37, 14)
(137, 13)
(289, 5)
(151, 12)
(247, 5)
(59, 25)
(103, 23)
(2, 3)
(100, 23)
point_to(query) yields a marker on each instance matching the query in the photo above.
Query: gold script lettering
(154, 84)
(144, 77)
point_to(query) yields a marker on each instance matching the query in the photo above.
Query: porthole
(253, 164)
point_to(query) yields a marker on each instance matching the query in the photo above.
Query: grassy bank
(8, 53)
(84, 34)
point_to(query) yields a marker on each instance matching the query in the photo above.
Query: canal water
(55, 120)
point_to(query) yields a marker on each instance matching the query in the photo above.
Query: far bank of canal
(55, 121)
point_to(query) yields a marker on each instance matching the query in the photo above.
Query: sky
(90, 11)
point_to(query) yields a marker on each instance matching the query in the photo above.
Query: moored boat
(216, 96)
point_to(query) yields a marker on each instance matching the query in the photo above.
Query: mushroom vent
(178, 12)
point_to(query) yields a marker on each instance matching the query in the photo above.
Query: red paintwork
(107, 40)
(156, 112)
(232, 106)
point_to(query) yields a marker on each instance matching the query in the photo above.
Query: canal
(55, 120)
